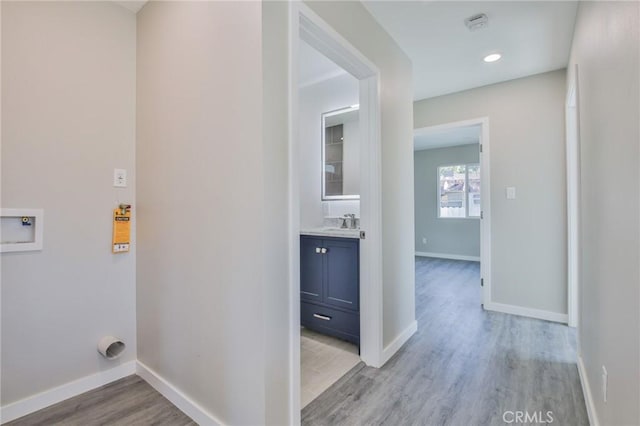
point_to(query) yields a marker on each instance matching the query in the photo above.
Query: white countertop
(332, 232)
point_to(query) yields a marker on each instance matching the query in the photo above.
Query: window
(459, 191)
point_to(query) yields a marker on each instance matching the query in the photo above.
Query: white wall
(328, 95)
(457, 236)
(68, 119)
(606, 48)
(201, 192)
(526, 126)
(354, 23)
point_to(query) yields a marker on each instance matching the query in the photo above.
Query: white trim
(485, 191)
(588, 396)
(573, 199)
(177, 397)
(63, 392)
(526, 312)
(307, 25)
(294, 222)
(371, 309)
(322, 37)
(485, 201)
(400, 340)
(448, 256)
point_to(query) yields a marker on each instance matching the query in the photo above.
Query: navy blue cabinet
(311, 262)
(330, 286)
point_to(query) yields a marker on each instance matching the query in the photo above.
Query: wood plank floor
(464, 366)
(126, 402)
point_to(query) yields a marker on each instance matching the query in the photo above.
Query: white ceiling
(439, 138)
(532, 36)
(132, 5)
(341, 118)
(314, 67)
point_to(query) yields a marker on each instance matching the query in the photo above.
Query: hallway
(463, 366)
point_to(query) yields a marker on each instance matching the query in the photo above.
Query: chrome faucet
(344, 222)
(352, 220)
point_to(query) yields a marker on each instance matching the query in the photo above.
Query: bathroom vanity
(330, 283)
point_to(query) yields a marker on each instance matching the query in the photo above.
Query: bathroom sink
(330, 231)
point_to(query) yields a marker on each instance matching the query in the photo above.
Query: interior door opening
(335, 185)
(452, 182)
(329, 179)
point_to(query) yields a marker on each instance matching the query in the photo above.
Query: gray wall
(68, 119)
(354, 23)
(201, 261)
(444, 236)
(193, 299)
(275, 328)
(606, 49)
(526, 126)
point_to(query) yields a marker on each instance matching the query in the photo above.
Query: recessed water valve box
(21, 230)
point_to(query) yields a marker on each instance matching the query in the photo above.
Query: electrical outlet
(605, 379)
(424, 240)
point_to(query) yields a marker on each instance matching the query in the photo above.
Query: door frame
(307, 25)
(485, 198)
(573, 200)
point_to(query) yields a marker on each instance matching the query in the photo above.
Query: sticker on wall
(121, 229)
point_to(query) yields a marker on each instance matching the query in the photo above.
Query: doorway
(307, 27)
(456, 198)
(329, 146)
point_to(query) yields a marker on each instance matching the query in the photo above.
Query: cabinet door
(342, 265)
(311, 270)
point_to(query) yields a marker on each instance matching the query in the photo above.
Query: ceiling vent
(476, 22)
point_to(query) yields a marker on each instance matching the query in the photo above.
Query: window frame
(465, 192)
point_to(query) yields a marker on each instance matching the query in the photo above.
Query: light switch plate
(511, 192)
(120, 178)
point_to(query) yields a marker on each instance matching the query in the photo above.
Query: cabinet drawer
(331, 321)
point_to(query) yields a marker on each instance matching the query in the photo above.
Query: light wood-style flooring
(126, 402)
(464, 366)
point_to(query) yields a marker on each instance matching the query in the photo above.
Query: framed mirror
(341, 154)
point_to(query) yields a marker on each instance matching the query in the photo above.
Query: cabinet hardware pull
(322, 317)
(318, 250)
(324, 250)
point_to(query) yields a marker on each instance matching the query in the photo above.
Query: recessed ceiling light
(493, 57)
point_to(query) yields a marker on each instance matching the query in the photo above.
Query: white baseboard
(527, 312)
(397, 343)
(448, 256)
(588, 396)
(58, 394)
(177, 397)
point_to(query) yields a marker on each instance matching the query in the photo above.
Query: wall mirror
(341, 154)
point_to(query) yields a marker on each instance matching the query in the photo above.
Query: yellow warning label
(121, 231)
